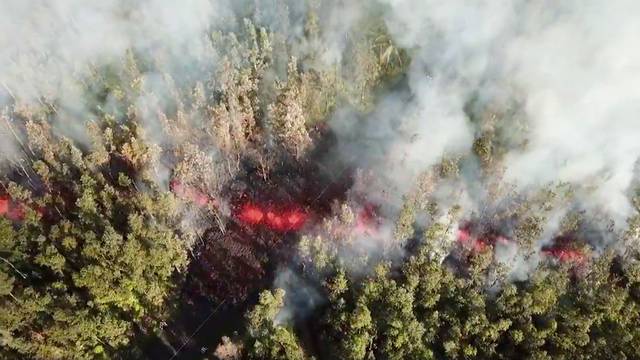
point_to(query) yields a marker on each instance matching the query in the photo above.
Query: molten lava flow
(264, 212)
(481, 242)
(471, 242)
(367, 222)
(564, 250)
(474, 243)
(250, 214)
(11, 210)
(289, 220)
(464, 236)
(277, 220)
(565, 255)
(190, 193)
(4, 206)
(17, 213)
(296, 219)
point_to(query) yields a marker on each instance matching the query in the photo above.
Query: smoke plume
(567, 70)
(572, 67)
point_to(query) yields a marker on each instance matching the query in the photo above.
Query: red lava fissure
(284, 219)
(484, 242)
(14, 210)
(276, 217)
(280, 218)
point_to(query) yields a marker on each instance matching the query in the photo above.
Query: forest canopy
(318, 180)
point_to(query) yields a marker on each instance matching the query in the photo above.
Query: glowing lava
(296, 219)
(366, 221)
(11, 210)
(249, 213)
(471, 242)
(561, 251)
(479, 243)
(4, 206)
(565, 255)
(252, 214)
(191, 194)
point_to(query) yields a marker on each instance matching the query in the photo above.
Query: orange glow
(190, 193)
(275, 221)
(250, 214)
(565, 255)
(4, 206)
(471, 242)
(281, 221)
(11, 210)
(296, 219)
(16, 213)
(366, 221)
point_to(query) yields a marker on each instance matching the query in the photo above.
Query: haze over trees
(355, 190)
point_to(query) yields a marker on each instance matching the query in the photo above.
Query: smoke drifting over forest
(570, 68)
(354, 132)
(564, 73)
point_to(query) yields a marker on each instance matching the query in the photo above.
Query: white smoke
(302, 296)
(46, 44)
(49, 50)
(574, 64)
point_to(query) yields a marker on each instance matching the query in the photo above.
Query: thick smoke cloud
(46, 44)
(572, 64)
(50, 48)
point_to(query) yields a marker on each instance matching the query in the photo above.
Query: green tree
(267, 339)
(93, 267)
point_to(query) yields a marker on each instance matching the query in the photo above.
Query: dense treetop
(113, 211)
